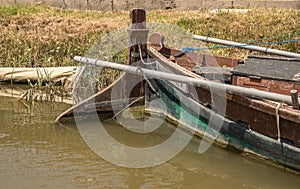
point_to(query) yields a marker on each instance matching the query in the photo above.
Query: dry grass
(253, 25)
(45, 36)
(52, 37)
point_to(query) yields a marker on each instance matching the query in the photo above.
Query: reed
(44, 89)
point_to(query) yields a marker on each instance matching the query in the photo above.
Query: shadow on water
(37, 153)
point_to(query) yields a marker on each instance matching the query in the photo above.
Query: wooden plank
(270, 68)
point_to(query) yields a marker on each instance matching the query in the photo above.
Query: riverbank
(40, 35)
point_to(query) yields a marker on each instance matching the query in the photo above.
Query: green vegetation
(42, 36)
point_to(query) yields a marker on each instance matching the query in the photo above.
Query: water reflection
(37, 153)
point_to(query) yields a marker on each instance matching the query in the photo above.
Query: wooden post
(295, 101)
(138, 36)
(137, 50)
(126, 4)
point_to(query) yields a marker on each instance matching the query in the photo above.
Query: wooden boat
(259, 125)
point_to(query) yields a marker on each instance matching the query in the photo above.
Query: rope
(147, 80)
(276, 37)
(279, 105)
(141, 57)
(136, 100)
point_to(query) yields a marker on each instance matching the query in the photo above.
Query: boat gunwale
(265, 103)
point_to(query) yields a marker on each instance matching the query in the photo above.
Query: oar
(247, 92)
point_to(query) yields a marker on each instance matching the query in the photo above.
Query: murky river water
(37, 153)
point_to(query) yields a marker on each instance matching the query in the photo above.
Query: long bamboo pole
(247, 92)
(246, 46)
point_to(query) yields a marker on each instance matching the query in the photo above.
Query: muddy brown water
(37, 153)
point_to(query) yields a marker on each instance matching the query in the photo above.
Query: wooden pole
(295, 101)
(206, 84)
(246, 46)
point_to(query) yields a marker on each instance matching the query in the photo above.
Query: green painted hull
(180, 107)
